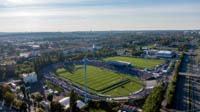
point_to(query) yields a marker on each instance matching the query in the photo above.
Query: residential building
(30, 77)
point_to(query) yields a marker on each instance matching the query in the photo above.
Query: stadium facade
(119, 63)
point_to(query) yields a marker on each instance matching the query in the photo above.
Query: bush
(9, 98)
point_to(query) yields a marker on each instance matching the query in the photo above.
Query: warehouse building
(165, 54)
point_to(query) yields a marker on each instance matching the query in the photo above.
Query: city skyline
(85, 15)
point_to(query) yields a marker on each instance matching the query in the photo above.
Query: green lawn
(60, 70)
(149, 46)
(102, 81)
(137, 62)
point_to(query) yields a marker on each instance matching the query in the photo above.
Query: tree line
(154, 100)
(36, 64)
(171, 92)
(43, 61)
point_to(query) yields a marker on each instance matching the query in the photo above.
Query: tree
(136, 52)
(9, 98)
(3, 89)
(6, 88)
(50, 97)
(153, 101)
(172, 87)
(40, 110)
(23, 106)
(73, 98)
(23, 89)
(27, 94)
(56, 107)
(33, 97)
(38, 97)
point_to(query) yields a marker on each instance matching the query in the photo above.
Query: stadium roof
(165, 52)
(124, 62)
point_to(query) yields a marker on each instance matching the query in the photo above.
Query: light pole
(85, 62)
(146, 60)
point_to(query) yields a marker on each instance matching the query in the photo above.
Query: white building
(30, 77)
(25, 55)
(165, 54)
(13, 85)
(151, 52)
(80, 104)
(94, 47)
(66, 103)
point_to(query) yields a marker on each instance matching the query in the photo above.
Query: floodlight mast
(146, 60)
(34, 52)
(85, 62)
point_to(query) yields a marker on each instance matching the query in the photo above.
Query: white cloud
(36, 12)
(32, 2)
(54, 18)
(20, 1)
(97, 11)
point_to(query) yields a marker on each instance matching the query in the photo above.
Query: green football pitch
(101, 81)
(137, 62)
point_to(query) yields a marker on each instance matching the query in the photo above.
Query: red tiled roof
(132, 108)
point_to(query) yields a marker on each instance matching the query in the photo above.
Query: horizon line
(100, 31)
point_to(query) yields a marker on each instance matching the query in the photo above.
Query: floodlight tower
(85, 62)
(146, 60)
(34, 52)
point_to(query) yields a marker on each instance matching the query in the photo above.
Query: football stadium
(110, 77)
(101, 80)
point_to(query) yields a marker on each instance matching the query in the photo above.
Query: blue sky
(84, 15)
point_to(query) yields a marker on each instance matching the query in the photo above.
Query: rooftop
(28, 74)
(66, 103)
(165, 52)
(124, 62)
(128, 107)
